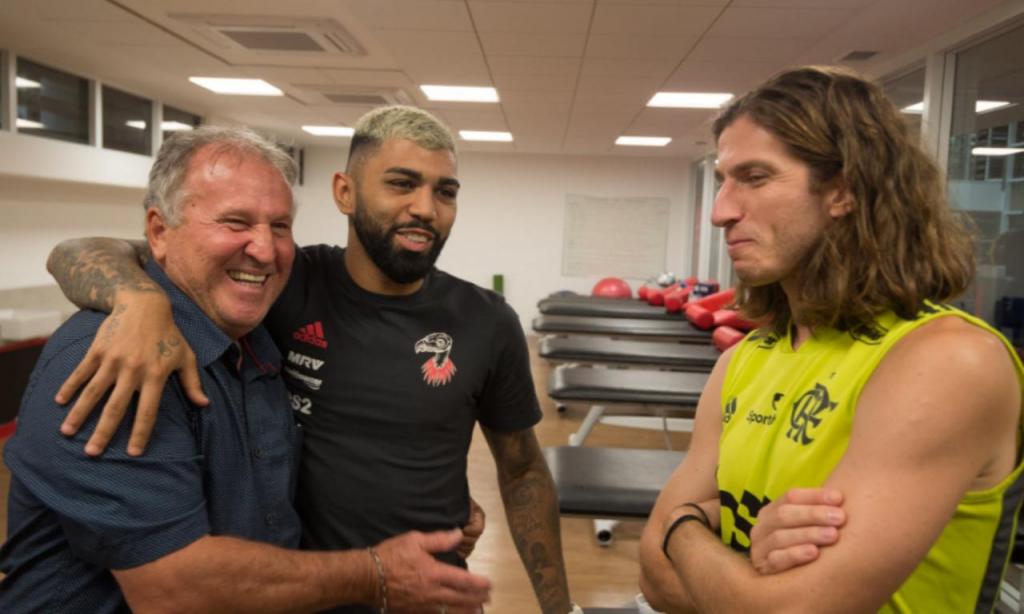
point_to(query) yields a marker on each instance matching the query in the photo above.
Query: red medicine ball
(612, 287)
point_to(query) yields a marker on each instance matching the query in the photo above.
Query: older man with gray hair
(205, 520)
(391, 362)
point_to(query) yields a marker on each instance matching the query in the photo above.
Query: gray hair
(398, 122)
(167, 176)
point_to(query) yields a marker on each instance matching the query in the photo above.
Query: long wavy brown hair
(900, 244)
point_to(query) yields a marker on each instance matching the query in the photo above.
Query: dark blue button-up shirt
(227, 469)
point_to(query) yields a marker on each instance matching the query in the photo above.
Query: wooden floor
(598, 577)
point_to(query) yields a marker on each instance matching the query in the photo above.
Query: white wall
(511, 214)
(510, 220)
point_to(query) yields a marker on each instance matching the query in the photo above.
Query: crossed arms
(921, 439)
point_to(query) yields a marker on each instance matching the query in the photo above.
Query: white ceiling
(572, 74)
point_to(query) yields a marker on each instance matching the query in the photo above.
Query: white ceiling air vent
(273, 34)
(320, 94)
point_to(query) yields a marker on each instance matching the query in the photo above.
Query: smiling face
(772, 213)
(401, 202)
(233, 250)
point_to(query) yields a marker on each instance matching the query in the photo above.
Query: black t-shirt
(388, 390)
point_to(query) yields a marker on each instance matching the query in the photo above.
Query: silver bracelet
(382, 583)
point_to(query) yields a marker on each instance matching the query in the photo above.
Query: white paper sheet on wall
(621, 237)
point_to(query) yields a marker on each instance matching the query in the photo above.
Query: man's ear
(839, 200)
(344, 190)
(156, 233)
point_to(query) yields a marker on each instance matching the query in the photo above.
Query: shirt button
(258, 452)
(271, 518)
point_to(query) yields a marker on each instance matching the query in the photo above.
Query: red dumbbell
(675, 299)
(701, 313)
(656, 296)
(725, 337)
(733, 319)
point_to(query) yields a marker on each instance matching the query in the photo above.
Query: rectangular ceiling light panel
(483, 135)
(453, 93)
(643, 141)
(689, 100)
(238, 87)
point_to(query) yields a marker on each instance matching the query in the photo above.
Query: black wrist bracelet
(700, 510)
(700, 517)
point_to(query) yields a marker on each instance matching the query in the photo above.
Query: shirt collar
(207, 340)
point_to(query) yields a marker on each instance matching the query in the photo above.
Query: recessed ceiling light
(643, 141)
(175, 126)
(483, 135)
(239, 87)
(689, 100)
(984, 106)
(28, 123)
(915, 109)
(460, 94)
(996, 151)
(329, 130)
(980, 106)
(171, 126)
(22, 83)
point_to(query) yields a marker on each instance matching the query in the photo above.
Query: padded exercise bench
(675, 329)
(627, 386)
(603, 307)
(609, 482)
(624, 392)
(682, 357)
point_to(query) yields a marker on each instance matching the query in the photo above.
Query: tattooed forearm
(91, 271)
(531, 506)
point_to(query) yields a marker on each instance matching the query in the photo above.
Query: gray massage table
(678, 356)
(677, 329)
(603, 307)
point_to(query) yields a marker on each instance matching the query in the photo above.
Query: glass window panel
(988, 187)
(52, 103)
(176, 120)
(907, 92)
(127, 122)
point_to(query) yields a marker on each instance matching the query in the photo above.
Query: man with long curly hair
(861, 450)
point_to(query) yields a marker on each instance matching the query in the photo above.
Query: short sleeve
(116, 511)
(509, 400)
(284, 310)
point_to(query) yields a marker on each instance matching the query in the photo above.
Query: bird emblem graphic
(439, 369)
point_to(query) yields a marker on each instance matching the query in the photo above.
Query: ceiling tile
(615, 67)
(531, 18)
(436, 15)
(531, 65)
(658, 20)
(639, 47)
(475, 119)
(777, 23)
(719, 76)
(82, 10)
(509, 43)
(551, 83)
(517, 98)
(831, 4)
(779, 51)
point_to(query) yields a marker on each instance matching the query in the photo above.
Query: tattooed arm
(135, 350)
(531, 506)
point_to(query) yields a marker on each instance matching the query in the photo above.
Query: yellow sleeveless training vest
(786, 421)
